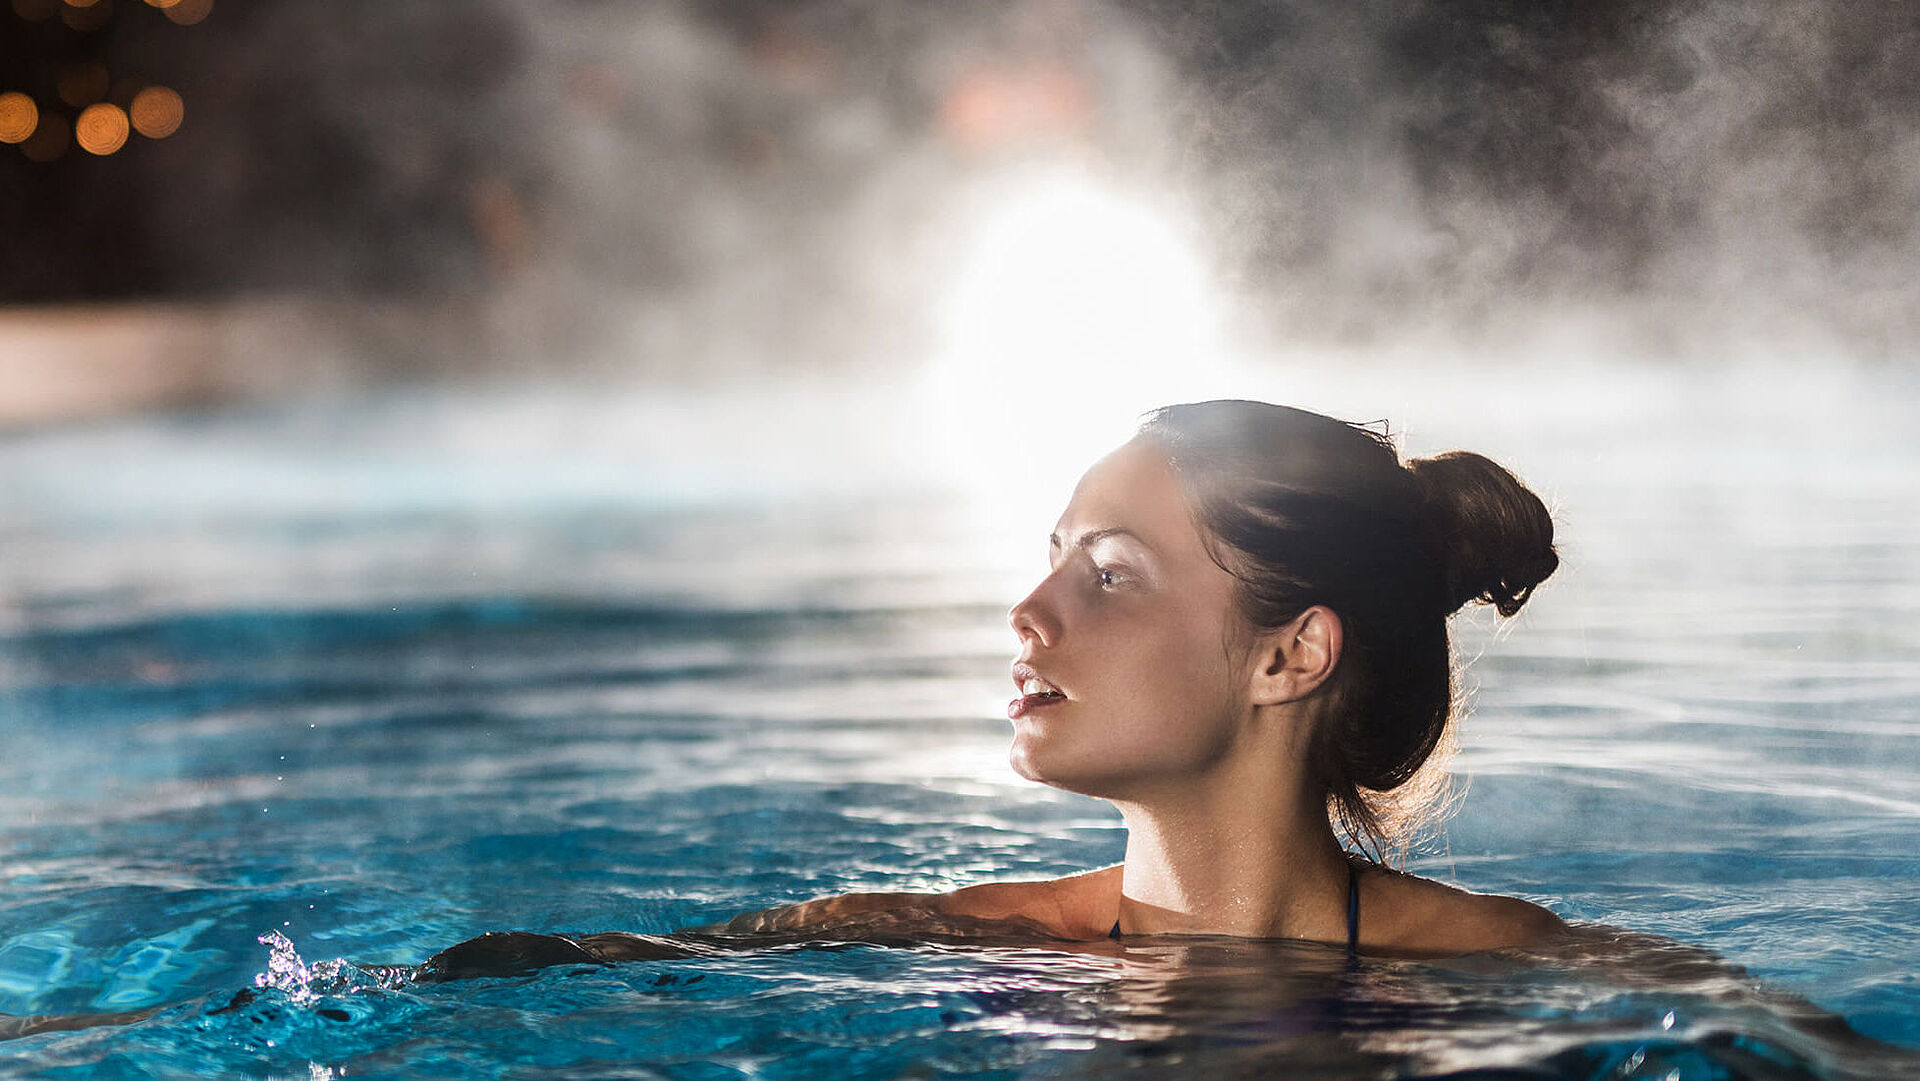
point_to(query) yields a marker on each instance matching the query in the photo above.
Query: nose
(1031, 620)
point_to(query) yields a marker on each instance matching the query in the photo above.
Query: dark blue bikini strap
(1353, 910)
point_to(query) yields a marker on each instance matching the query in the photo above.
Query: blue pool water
(366, 679)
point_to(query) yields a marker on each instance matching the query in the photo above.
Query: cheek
(1184, 693)
(1145, 642)
(1195, 686)
(1158, 700)
(1180, 652)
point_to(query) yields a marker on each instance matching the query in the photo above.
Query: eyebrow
(1092, 535)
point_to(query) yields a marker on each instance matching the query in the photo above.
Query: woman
(1242, 645)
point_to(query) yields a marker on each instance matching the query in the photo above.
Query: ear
(1297, 658)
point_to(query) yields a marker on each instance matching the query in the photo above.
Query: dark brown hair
(1307, 510)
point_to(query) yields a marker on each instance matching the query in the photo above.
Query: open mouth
(1037, 688)
(1035, 693)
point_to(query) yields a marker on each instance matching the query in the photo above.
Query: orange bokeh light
(998, 107)
(188, 12)
(101, 129)
(156, 112)
(89, 18)
(162, 4)
(18, 117)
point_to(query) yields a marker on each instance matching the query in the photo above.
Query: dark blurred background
(215, 197)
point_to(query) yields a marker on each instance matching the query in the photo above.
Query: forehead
(1136, 489)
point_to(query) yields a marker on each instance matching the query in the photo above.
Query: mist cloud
(777, 182)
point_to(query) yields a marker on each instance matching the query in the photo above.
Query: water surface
(378, 677)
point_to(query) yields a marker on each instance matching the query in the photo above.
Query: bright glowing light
(156, 112)
(101, 129)
(1076, 309)
(18, 117)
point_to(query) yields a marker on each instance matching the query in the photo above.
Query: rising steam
(666, 185)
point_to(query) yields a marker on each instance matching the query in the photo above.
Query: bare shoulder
(1072, 906)
(1406, 913)
(1067, 907)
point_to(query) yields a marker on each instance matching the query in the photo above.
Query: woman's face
(1135, 637)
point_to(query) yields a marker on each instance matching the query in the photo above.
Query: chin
(1034, 766)
(1019, 757)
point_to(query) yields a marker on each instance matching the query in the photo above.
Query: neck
(1210, 859)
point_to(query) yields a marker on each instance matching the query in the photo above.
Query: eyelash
(1107, 578)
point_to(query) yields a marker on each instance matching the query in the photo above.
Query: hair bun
(1496, 535)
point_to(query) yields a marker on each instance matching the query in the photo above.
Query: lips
(1036, 692)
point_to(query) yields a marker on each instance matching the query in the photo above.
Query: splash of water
(304, 983)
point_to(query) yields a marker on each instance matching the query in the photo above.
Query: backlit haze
(835, 247)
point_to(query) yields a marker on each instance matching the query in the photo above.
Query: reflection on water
(977, 1002)
(380, 680)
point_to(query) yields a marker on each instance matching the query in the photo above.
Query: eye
(1106, 577)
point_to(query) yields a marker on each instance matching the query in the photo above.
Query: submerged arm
(824, 912)
(1053, 909)
(851, 916)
